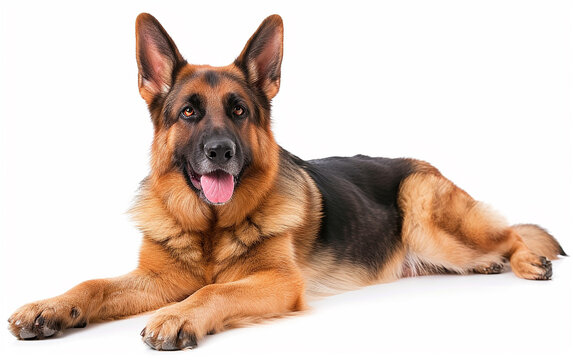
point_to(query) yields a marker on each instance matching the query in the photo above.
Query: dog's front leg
(152, 285)
(217, 306)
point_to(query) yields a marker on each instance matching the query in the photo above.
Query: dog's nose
(219, 151)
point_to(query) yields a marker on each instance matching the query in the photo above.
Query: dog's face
(212, 124)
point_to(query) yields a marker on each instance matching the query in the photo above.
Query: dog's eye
(187, 112)
(238, 110)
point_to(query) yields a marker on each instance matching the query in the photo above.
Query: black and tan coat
(292, 228)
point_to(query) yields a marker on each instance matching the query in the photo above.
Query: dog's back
(382, 219)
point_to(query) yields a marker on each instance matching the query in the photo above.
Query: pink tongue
(218, 187)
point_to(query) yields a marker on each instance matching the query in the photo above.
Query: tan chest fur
(213, 246)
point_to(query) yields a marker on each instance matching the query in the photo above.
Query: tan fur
(539, 240)
(327, 275)
(446, 229)
(255, 256)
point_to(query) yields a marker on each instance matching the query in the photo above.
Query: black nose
(219, 151)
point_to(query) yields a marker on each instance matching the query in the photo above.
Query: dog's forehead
(212, 82)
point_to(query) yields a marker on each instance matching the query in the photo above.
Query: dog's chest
(216, 248)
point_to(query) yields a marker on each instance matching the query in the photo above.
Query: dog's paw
(527, 265)
(44, 319)
(171, 331)
(494, 268)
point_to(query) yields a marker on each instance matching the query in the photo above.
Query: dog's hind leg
(445, 228)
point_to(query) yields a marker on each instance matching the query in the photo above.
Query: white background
(481, 89)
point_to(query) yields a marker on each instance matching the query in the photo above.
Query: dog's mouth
(217, 186)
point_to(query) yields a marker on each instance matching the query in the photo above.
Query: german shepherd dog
(236, 229)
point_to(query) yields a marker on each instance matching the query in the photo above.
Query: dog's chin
(215, 188)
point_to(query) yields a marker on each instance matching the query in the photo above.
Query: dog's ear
(157, 57)
(262, 56)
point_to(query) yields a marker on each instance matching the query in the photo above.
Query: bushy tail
(539, 241)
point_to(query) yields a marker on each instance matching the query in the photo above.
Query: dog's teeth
(18, 322)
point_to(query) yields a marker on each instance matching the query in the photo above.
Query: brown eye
(238, 110)
(188, 112)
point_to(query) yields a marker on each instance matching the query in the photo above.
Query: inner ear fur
(157, 57)
(262, 56)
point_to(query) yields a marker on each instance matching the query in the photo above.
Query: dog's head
(212, 124)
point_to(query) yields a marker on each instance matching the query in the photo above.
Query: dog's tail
(539, 240)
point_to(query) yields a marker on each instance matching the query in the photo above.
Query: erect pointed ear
(157, 57)
(262, 56)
